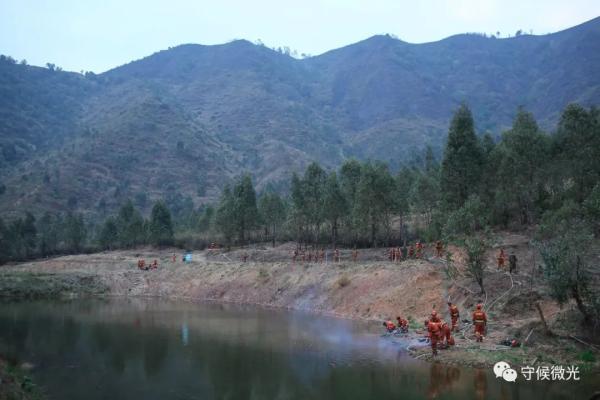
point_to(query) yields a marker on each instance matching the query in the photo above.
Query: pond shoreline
(368, 292)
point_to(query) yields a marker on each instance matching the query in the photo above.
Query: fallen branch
(527, 338)
(582, 342)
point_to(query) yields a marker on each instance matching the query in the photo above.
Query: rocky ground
(372, 289)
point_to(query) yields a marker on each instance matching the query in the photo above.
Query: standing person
(295, 255)
(512, 263)
(174, 258)
(439, 247)
(454, 315)
(419, 247)
(479, 322)
(434, 328)
(336, 257)
(411, 251)
(501, 258)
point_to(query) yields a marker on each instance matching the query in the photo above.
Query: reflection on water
(149, 349)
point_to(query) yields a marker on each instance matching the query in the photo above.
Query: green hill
(181, 122)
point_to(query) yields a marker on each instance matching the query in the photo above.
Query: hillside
(182, 122)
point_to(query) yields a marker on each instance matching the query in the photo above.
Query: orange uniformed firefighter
(501, 258)
(479, 322)
(389, 326)
(419, 247)
(446, 335)
(411, 251)
(434, 327)
(439, 247)
(402, 324)
(454, 315)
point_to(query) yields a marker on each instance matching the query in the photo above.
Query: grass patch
(263, 274)
(587, 356)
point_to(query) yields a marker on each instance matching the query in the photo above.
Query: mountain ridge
(183, 122)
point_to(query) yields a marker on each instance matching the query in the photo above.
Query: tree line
(54, 234)
(524, 178)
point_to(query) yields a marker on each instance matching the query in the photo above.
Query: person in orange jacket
(419, 248)
(434, 328)
(402, 324)
(389, 326)
(501, 258)
(454, 315)
(439, 248)
(479, 322)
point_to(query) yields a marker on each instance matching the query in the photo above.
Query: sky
(97, 35)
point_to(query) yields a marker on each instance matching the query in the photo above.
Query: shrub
(343, 281)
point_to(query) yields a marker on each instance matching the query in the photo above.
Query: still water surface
(157, 349)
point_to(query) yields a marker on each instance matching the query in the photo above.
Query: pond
(159, 349)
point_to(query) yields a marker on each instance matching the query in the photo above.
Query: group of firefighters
(319, 255)
(154, 264)
(394, 254)
(439, 332)
(145, 267)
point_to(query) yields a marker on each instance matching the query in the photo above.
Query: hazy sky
(98, 35)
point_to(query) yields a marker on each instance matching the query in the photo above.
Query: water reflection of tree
(156, 348)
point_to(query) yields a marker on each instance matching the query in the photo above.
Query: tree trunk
(546, 329)
(373, 234)
(273, 235)
(587, 318)
(334, 233)
(577, 295)
(401, 225)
